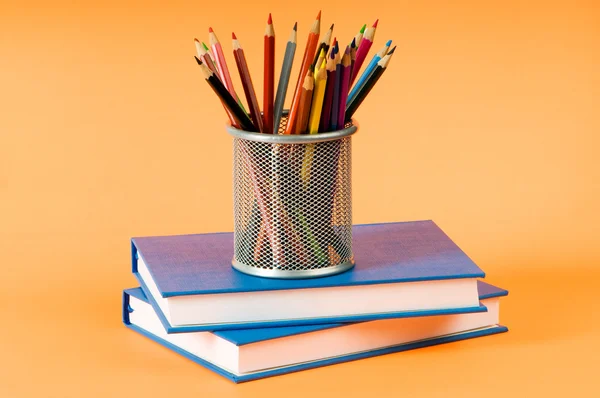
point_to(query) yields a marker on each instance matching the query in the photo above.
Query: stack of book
(411, 287)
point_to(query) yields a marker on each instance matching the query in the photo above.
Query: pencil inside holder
(292, 203)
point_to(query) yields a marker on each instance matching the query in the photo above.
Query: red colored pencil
(363, 50)
(309, 54)
(269, 77)
(328, 101)
(240, 60)
(344, 87)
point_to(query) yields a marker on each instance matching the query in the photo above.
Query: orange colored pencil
(240, 60)
(269, 77)
(305, 103)
(309, 54)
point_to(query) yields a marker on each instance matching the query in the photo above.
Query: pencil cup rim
(293, 138)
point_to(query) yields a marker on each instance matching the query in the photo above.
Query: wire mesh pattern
(292, 206)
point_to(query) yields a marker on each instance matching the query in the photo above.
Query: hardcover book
(243, 355)
(406, 269)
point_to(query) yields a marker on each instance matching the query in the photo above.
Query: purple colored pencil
(344, 88)
(335, 106)
(329, 88)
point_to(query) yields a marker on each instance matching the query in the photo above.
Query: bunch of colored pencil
(328, 91)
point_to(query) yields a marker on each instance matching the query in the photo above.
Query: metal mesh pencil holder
(292, 203)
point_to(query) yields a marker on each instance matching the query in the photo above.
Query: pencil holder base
(282, 274)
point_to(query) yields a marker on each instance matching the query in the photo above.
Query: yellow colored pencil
(314, 119)
(318, 96)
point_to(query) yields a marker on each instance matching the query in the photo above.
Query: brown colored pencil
(305, 102)
(309, 53)
(205, 56)
(269, 77)
(230, 103)
(240, 60)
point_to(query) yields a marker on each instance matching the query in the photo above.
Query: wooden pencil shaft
(231, 103)
(363, 51)
(328, 101)
(240, 59)
(358, 100)
(309, 53)
(284, 79)
(269, 83)
(305, 102)
(336, 98)
(206, 72)
(344, 83)
(221, 64)
(317, 102)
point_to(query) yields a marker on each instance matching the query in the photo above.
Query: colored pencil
(363, 50)
(204, 56)
(320, 60)
(209, 53)
(314, 118)
(226, 97)
(240, 60)
(368, 86)
(352, 55)
(284, 78)
(309, 53)
(363, 78)
(305, 102)
(344, 85)
(220, 62)
(335, 106)
(328, 101)
(359, 36)
(269, 76)
(318, 98)
(323, 45)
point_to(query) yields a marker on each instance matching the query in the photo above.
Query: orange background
(487, 122)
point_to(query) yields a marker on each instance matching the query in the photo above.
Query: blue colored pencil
(369, 69)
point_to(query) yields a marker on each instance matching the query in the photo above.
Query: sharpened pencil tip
(347, 51)
(198, 60)
(392, 50)
(270, 20)
(319, 16)
(205, 46)
(362, 30)
(375, 24)
(210, 30)
(389, 43)
(296, 26)
(196, 40)
(331, 27)
(353, 44)
(233, 36)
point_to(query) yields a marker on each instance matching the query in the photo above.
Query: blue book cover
(242, 338)
(198, 266)
(384, 253)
